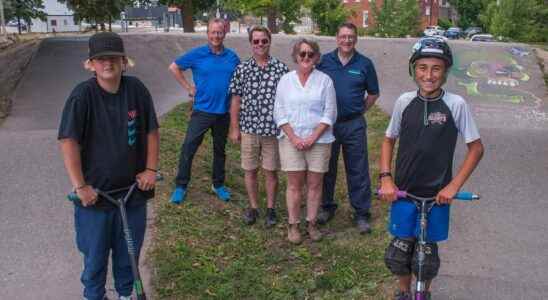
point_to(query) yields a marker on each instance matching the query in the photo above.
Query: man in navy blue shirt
(212, 66)
(357, 90)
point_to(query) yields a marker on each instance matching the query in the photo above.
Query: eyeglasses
(262, 42)
(349, 38)
(308, 54)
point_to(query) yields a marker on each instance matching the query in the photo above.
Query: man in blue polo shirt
(357, 90)
(212, 66)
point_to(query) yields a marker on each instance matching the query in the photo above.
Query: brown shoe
(294, 234)
(313, 232)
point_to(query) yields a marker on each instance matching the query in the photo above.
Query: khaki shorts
(257, 148)
(315, 159)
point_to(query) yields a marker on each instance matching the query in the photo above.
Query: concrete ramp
(497, 246)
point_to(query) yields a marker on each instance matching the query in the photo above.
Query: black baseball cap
(106, 44)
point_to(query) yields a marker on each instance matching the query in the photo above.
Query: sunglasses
(308, 54)
(262, 42)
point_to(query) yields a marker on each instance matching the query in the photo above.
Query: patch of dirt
(14, 58)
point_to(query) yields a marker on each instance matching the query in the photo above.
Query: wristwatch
(385, 174)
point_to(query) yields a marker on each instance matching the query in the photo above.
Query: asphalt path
(496, 248)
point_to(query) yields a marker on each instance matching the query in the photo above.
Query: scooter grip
(466, 196)
(73, 197)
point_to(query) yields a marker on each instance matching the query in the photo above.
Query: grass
(202, 249)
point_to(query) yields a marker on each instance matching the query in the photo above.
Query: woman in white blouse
(305, 109)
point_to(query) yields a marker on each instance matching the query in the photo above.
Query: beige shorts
(257, 148)
(315, 159)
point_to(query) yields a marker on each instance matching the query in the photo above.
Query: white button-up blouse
(305, 107)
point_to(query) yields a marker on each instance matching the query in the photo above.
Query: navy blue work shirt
(211, 73)
(351, 81)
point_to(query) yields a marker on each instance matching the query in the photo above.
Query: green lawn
(202, 249)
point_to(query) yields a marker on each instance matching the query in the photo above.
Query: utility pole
(2, 20)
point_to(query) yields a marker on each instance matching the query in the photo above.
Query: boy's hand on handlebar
(87, 195)
(445, 196)
(146, 180)
(388, 189)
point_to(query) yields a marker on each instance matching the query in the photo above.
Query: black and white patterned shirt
(256, 86)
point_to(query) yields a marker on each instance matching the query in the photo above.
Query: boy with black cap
(427, 123)
(109, 139)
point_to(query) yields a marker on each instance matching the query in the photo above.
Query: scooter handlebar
(465, 196)
(72, 196)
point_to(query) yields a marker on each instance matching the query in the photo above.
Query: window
(53, 22)
(365, 18)
(427, 11)
(65, 22)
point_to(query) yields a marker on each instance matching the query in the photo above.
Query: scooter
(120, 203)
(424, 205)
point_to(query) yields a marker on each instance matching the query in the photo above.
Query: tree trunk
(186, 13)
(110, 23)
(271, 15)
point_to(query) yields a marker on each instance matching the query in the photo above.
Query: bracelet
(80, 187)
(385, 174)
(151, 169)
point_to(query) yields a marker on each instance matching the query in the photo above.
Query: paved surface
(497, 246)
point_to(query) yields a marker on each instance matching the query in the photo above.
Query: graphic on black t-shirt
(132, 127)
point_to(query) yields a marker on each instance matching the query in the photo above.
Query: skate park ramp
(499, 242)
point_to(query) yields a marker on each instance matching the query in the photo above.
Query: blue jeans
(200, 122)
(351, 135)
(97, 233)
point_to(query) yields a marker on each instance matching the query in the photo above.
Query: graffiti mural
(494, 76)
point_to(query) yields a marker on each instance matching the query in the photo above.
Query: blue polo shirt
(351, 81)
(211, 73)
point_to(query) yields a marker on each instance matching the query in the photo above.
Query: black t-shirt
(428, 132)
(111, 130)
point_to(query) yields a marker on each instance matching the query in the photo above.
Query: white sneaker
(125, 298)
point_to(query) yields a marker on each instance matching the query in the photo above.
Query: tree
(396, 18)
(189, 8)
(470, 11)
(524, 21)
(24, 10)
(97, 11)
(287, 12)
(328, 15)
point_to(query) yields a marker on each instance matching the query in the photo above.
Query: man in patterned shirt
(253, 88)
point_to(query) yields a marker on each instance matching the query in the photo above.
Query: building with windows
(362, 12)
(58, 18)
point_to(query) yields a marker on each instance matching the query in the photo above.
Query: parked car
(15, 23)
(454, 33)
(433, 30)
(482, 38)
(470, 31)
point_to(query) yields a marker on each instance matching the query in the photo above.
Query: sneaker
(251, 215)
(313, 231)
(222, 192)
(271, 219)
(399, 295)
(125, 298)
(294, 234)
(363, 226)
(179, 195)
(325, 216)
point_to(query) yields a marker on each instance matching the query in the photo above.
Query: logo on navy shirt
(131, 127)
(437, 118)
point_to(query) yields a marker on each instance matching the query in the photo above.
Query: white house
(58, 18)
